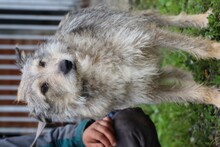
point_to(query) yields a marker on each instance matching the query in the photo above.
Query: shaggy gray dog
(101, 59)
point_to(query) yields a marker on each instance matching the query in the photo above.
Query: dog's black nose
(65, 66)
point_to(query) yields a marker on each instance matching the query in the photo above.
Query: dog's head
(50, 83)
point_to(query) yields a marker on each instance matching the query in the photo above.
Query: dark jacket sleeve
(67, 136)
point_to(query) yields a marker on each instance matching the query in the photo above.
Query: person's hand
(99, 134)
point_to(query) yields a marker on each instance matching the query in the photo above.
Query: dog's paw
(203, 19)
(216, 102)
(216, 98)
(197, 20)
(215, 50)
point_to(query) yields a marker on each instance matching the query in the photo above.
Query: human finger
(107, 132)
(101, 137)
(107, 122)
(95, 145)
(107, 119)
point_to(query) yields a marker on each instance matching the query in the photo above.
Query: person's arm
(87, 133)
(69, 135)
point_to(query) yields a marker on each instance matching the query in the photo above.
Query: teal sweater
(67, 136)
(69, 139)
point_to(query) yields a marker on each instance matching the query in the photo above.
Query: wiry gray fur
(116, 65)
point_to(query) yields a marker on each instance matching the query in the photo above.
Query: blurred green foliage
(188, 125)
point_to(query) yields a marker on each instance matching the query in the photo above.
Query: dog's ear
(21, 58)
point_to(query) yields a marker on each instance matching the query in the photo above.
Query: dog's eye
(44, 88)
(42, 63)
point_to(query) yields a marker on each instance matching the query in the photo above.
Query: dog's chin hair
(67, 115)
(70, 81)
(82, 109)
(80, 100)
(66, 118)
